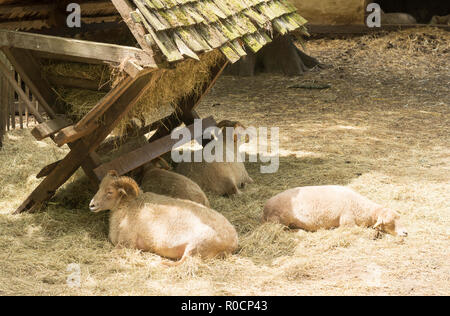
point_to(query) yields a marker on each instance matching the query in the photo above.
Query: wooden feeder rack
(161, 44)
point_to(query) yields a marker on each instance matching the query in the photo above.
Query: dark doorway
(422, 10)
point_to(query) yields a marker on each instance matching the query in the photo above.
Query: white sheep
(171, 228)
(221, 178)
(327, 207)
(159, 179)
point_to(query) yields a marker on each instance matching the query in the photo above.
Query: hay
(381, 130)
(97, 73)
(160, 99)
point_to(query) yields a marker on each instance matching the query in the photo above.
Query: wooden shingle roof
(176, 29)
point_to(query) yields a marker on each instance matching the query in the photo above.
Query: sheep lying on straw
(221, 178)
(326, 207)
(169, 227)
(158, 179)
(397, 18)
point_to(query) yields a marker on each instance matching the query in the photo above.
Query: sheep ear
(163, 163)
(127, 187)
(239, 125)
(379, 222)
(113, 173)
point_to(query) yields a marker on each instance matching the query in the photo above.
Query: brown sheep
(221, 178)
(172, 228)
(158, 179)
(443, 20)
(397, 18)
(327, 207)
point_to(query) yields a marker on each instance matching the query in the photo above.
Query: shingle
(184, 28)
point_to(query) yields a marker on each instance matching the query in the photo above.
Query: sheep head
(238, 130)
(113, 189)
(389, 221)
(158, 163)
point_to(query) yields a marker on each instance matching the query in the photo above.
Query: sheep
(397, 18)
(221, 178)
(444, 20)
(158, 179)
(172, 228)
(327, 207)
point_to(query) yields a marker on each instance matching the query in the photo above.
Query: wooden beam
(81, 148)
(148, 152)
(71, 133)
(75, 48)
(47, 170)
(49, 128)
(70, 82)
(30, 71)
(124, 7)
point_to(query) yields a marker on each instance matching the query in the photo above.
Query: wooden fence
(13, 112)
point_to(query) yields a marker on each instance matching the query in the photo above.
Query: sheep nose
(92, 206)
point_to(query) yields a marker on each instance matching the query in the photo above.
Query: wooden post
(2, 109)
(20, 103)
(81, 148)
(12, 98)
(27, 91)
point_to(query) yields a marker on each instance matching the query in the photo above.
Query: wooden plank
(147, 153)
(81, 148)
(71, 134)
(27, 92)
(125, 8)
(20, 104)
(11, 101)
(47, 170)
(30, 71)
(76, 48)
(70, 82)
(3, 102)
(49, 128)
(6, 103)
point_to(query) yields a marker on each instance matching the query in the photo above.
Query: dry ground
(382, 129)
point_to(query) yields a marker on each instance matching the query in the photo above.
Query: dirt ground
(382, 128)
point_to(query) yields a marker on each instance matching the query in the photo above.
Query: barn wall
(332, 12)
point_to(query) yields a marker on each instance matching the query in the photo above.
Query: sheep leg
(187, 253)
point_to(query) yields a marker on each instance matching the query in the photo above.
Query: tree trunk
(281, 57)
